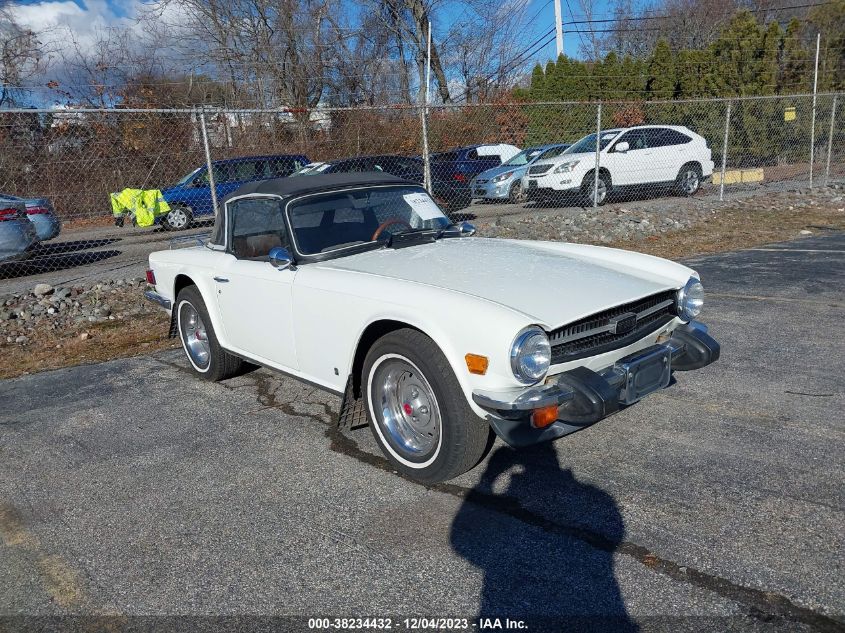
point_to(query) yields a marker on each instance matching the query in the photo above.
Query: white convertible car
(359, 284)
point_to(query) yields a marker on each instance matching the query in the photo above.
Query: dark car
(191, 196)
(407, 167)
(456, 168)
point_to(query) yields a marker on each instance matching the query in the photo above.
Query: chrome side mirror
(280, 258)
(466, 229)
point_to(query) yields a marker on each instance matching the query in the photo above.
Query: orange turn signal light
(541, 418)
(476, 364)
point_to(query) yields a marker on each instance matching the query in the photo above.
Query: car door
(664, 156)
(630, 167)
(253, 297)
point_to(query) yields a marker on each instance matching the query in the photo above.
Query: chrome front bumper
(585, 396)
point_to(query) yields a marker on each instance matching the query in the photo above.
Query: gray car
(41, 214)
(505, 181)
(17, 233)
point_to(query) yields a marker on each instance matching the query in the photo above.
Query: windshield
(332, 221)
(523, 158)
(189, 178)
(553, 152)
(588, 143)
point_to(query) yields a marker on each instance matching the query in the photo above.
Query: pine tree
(662, 82)
(796, 74)
(737, 53)
(538, 83)
(772, 42)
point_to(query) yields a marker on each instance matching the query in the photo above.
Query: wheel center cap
(408, 409)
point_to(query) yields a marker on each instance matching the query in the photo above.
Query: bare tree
(23, 56)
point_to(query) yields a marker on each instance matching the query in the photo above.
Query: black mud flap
(173, 327)
(352, 413)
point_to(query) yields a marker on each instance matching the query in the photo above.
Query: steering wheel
(386, 224)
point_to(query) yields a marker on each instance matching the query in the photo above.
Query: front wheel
(207, 358)
(417, 410)
(178, 218)
(589, 185)
(517, 194)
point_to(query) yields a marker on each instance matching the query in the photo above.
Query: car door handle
(221, 280)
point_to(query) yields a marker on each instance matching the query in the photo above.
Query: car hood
(565, 158)
(501, 169)
(551, 283)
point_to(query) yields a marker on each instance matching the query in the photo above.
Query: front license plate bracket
(644, 372)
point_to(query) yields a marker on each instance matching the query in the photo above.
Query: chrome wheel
(410, 415)
(517, 194)
(177, 218)
(194, 335)
(690, 181)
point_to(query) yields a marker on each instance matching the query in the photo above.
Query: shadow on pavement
(550, 579)
(54, 248)
(50, 263)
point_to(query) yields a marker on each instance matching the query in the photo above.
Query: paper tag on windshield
(423, 206)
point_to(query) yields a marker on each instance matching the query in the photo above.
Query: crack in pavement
(761, 605)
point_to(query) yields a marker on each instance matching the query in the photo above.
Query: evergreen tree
(737, 53)
(538, 83)
(796, 74)
(772, 42)
(662, 81)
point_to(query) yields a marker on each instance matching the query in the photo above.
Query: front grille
(594, 334)
(538, 170)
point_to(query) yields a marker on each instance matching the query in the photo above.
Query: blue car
(505, 181)
(41, 214)
(191, 196)
(17, 233)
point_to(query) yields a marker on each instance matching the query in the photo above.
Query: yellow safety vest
(145, 205)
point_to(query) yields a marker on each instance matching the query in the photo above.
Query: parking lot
(130, 488)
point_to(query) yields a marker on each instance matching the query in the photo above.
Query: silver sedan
(505, 181)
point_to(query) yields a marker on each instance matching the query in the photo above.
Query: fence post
(813, 117)
(830, 140)
(211, 184)
(426, 158)
(725, 153)
(598, 152)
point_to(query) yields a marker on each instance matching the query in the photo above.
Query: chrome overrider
(585, 396)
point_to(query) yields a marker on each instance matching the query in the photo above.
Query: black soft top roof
(298, 185)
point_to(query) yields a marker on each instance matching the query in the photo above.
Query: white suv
(629, 157)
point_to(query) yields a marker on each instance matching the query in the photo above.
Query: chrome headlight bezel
(531, 341)
(566, 167)
(690, 299)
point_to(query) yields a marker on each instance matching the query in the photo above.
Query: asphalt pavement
(130, 488)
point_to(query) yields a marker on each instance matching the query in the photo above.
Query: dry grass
(738, 228)
(107, 340)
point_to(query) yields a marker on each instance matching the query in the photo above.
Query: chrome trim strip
(528, 399)
(654, 309)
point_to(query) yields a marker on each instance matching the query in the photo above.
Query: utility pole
(813, 124)
(559, 28)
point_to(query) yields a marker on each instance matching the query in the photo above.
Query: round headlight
(531, 355)
(690, 299)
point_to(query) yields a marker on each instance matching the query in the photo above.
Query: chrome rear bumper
(161, 300)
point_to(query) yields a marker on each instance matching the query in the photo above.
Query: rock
(805, 232)
(84, 336)
(5, 315)
(23, 340)
(62, 293)
(42, 289)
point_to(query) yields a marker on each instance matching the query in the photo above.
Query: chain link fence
(59, 168)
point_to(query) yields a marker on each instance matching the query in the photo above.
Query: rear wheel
(589, 185)
(207, 358)
(178, 218)
(688, 181)
(417, 410)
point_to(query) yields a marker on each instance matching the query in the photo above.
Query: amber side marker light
(476, 364)
(541, 418)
